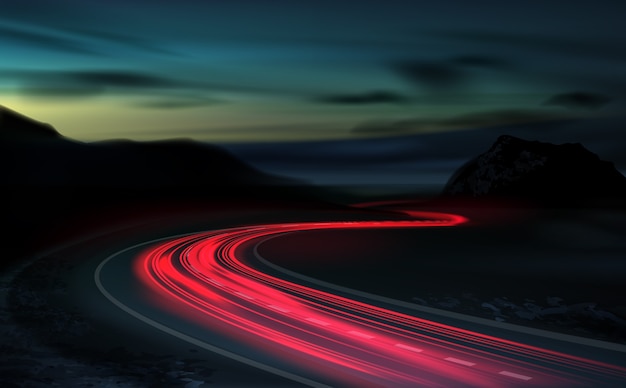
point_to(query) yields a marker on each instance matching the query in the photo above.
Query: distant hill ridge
(34, 153)
(53, 184)
(15, 126)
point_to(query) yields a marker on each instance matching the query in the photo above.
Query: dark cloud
(388, 128)
(178, 103)
(76, 40)
(65, 83)
(123, 40)
(611, 50)
(499, 117)
(46, 41)
(465, 121)
(60, 91)
(123, 79)
(373, 97)
(435, 76)
(579, 100)
(87, 82)
(481, 61)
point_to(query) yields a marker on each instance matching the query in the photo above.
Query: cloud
(453, 73)
(373, 97)
(32, 37)
(122, 79)
(465, 121)
(122, 40)
(85, 83)
(500, 117)
(178, 103)
(535, 41)
(579, 100)
(60, 91)
(390, 128)
(76, 40)
(480, 61)
(436, 76)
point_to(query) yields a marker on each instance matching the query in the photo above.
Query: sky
(278, 70)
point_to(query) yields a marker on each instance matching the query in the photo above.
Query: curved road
(212, 289)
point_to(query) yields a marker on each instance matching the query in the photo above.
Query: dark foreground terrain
(68, 205)
(555, 269)
(57, 329)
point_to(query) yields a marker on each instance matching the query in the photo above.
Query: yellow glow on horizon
(105, 118)
(121, 117)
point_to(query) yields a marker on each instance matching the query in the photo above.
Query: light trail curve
(205, 278)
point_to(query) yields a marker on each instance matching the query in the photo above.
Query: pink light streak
(345, 340)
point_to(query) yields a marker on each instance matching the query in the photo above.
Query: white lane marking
(458, 361)
(278, 308)
(318, 321)
(515, 375)
(444, 313)
(359, 334)
(185, 337)
(407, 347)
(430, 310)
(246, 296)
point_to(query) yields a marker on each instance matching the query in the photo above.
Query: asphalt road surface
(212, 289)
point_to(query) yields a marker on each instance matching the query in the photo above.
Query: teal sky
(301, 70)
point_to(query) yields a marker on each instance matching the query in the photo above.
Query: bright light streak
(349, 340)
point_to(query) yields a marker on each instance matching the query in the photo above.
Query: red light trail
(206, 278)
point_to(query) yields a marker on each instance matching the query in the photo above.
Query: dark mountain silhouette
(34, 153)
(539, 173)
(47, 179)
(15, 127)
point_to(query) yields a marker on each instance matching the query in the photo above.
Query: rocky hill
(540, 173)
